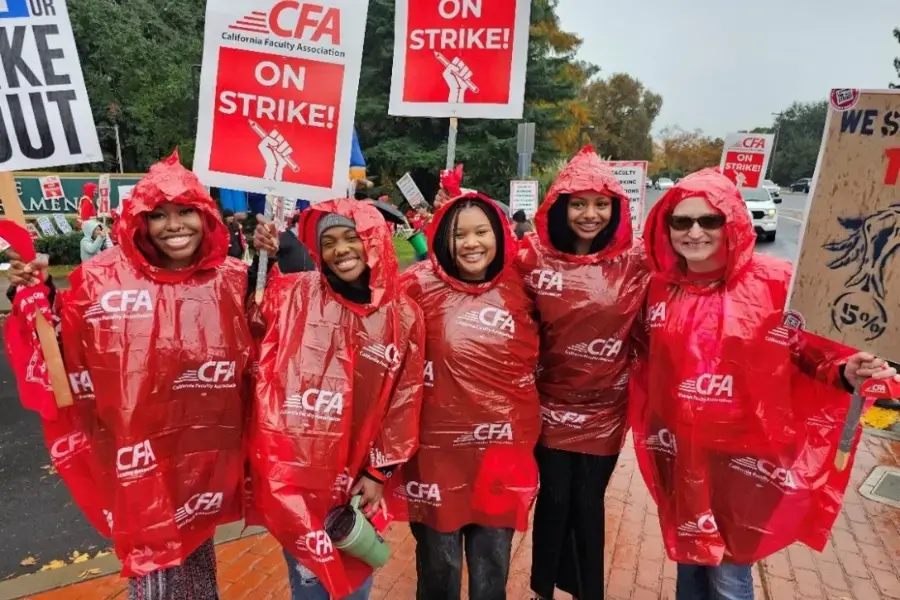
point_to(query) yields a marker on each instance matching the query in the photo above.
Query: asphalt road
(37, 516)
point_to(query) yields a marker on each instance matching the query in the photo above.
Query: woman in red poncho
(339, 390)
(158, 351)
(588, 278)
(736, 417)
(474, 478)
(86, 208)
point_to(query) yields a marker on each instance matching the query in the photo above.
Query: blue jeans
(725, 582)
(305, 585)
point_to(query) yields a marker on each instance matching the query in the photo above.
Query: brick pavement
(861, 562)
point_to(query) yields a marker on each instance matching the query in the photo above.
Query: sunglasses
(707, 222)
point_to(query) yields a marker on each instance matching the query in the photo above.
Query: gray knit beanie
(332, 220)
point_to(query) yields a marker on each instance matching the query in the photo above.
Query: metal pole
(118, 148)
(775, 143)
(451, 143)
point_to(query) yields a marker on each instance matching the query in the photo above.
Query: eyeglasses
(685, 223)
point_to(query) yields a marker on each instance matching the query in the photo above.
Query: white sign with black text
(523, 195)
(632, 176)
(411, 191)
(45, 114)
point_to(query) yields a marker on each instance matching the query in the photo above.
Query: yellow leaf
(89, 573)
(80, 558)
(101, 554)
(28, 562)
(53, 564)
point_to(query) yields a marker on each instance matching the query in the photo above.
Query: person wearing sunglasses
(735, 415)
(587, 276)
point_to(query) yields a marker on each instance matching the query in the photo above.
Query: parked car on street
(771, 187)
(763, 211)
(664, 183)
(649, 183)
(801, 185)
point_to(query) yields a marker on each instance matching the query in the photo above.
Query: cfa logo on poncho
(662, 441)
(766, 472)
(656, 315)
(491, 320)
(486, 433)
(314, 403)
(386, 356)
(604, 350)
(564, 418)
(417, 492)
(429, 373)
(214, 374)
(707, 388)
(318, 545)
(82, 385)
(704, 525)
(134, 461)
(121, 305)
(63, 448)
(547, 283)
(205, 504)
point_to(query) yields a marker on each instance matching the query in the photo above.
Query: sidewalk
(862, 561)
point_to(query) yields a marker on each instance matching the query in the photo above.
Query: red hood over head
(169, 181)
(586, 173)
(376, 237)
(722, 195)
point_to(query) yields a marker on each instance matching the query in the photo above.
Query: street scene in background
(442, 300)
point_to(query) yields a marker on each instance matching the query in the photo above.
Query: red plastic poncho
(339, 390)
(86, 208)
(481, 412)
(587, 306)
(736, 418)
(160, 360)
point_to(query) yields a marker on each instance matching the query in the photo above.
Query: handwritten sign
(411, 191)
(523, 195)
(62, 223)
(46, 226)
(847, 282)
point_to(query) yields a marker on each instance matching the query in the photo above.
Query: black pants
(569, 523)
(439, 562)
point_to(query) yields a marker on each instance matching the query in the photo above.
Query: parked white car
(664, 183)
(771, 187)
(763, 211)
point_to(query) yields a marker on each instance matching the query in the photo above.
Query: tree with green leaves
(622, 112)
(800, 129)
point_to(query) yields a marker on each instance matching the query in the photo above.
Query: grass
(61, 270)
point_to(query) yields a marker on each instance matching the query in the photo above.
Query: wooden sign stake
(59, 380)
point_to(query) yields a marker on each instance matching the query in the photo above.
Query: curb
(37, 583)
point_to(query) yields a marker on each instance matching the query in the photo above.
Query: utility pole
(777, 116)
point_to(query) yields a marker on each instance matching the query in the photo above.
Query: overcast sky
(723, 65)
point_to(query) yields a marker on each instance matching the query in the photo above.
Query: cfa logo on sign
(752, 143)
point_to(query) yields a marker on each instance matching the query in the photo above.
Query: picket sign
(59, 381)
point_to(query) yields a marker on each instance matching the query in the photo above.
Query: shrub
(62, 249)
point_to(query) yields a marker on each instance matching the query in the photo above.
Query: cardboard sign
(411, 191)
(846, 284)
(460, 58)
(523, 195)
(46, 225)
(62, 223)
(632, 176)
(103, 205)
(278, 96)
(51, 188)
(47, 119)
(745, 158)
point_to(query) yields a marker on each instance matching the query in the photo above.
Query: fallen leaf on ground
(29, 561)
(51, 470)
(77, 557)
(101, 554)
(88, 573)
(53, 564)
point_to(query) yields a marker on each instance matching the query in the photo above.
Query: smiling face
(475, 244)
(588, 214)
(176, 230)
(343, 253)
(697, 233)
